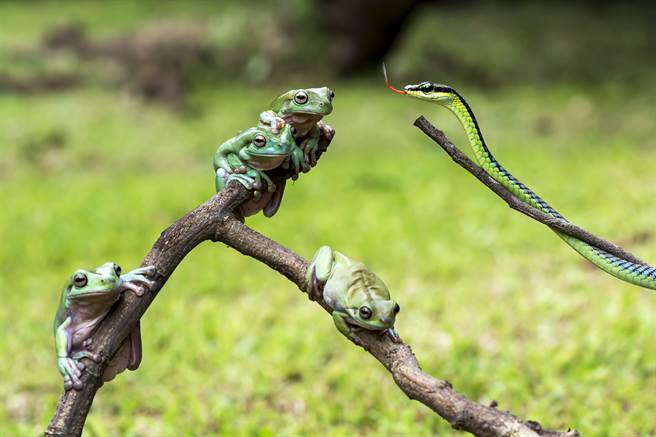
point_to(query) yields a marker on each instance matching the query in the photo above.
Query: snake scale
(639, 274)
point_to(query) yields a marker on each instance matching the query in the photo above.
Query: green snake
(639, 274)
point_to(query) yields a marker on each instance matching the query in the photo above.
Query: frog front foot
(393, 335)
(297, 157)
(310, 148)
(277, 124)
(252, 180)
(137, 280)
(71, 369)
(347, 329)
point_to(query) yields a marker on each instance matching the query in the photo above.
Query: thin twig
(515, 203)
(216, 220)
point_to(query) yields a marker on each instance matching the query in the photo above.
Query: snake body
(639, 274)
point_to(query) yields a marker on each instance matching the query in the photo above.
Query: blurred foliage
(162, 50)
(505, 43)
(490, 300)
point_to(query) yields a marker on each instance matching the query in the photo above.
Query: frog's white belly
(81, 330)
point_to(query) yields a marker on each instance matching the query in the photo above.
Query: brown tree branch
(398, 358)
(217, 220)
(513, 202)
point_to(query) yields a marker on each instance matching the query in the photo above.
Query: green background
(490, 300)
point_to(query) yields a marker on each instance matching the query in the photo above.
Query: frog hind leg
(135, 348)
(274, 204)
(323, 262)
(128, 356)
(118, 363)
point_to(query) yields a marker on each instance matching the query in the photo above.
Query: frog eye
(365, 312)
(301, 97)
(397, 308)
(117, 269)
(80, 280)
(259, 140)
(332, 94)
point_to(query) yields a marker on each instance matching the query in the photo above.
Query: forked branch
(513, 202)
(216, 220)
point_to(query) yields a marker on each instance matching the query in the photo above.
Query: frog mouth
(304, 117)
(266, 161)
(91, 293)
(371, 327)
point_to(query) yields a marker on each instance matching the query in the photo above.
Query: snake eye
(332, 94)
(80, 280)
(117, 269)
(301, 97)
(397, 308)
(365, 312)
(259, 140)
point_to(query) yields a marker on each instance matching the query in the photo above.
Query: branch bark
(513, 201)
(218, 221)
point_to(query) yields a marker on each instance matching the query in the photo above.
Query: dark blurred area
(478, 43)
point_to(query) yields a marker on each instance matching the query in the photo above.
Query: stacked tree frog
(287, 137)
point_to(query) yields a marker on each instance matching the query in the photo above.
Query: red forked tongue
(390, 85)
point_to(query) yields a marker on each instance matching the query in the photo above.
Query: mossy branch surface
(217, 220)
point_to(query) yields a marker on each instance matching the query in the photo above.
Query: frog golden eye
(365, 312)
(259, 140)
(301, 97)
(80, 280)
(117, 269)
(397, 308)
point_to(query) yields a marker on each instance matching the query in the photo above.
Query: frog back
(365, 284)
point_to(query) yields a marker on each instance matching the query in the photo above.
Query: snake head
(433, 92)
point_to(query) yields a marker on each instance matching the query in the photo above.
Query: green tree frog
(357, 296)
(246, 157)
(87, 297)
(303, 109)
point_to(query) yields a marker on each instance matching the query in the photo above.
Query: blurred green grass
(491, 301)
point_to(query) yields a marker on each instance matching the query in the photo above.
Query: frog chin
(266, 162)
(372, 325)
(99, 295)
(303, 121)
